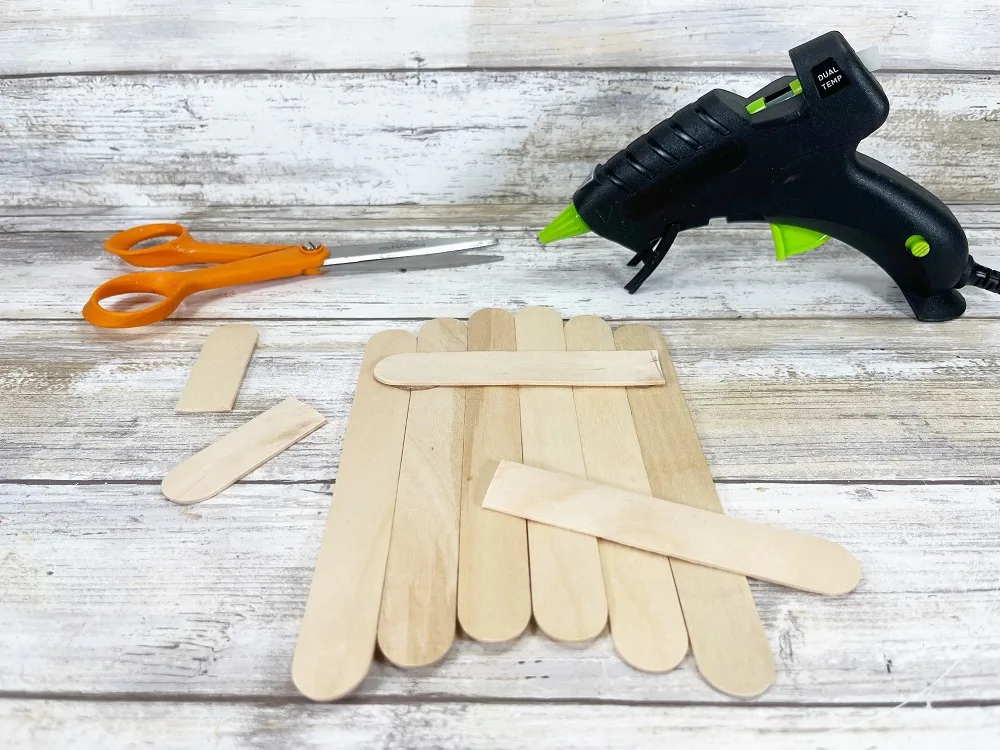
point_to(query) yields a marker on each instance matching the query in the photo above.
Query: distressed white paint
(773, 400)
(412, 137)
(110, 589)
(728, 272)
(83, 35)
(400, 726)
(147, 599)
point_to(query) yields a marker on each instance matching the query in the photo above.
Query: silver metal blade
(415, 263)
(345, 254)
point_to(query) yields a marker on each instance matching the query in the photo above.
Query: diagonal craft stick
(787, 558)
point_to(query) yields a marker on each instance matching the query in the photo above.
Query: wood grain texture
(417, 620)
(339, 626)
(727, 637)
(494, 589)
(218, 372)
(854, 400)
(230, 458)
(593, 369)
(206, 601)
(295, 220)
(724, 272)
(647, 625)
(787, 558)
(567, 588)
(308, 35)
(32, 724)
(413, 137)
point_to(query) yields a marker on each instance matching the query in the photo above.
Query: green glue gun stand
(786, 156)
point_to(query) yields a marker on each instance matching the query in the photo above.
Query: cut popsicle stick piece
(337, 637)
(567, 587)
(230, 458)
(417, 620)
(647, 625)
(550, 368)
(217, 374)
(728, 641)
(494, 591)
(787, 558)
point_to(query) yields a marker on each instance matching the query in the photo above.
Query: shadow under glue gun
(786, 156)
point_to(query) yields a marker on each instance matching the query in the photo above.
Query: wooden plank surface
(412, 137)
(303, 34)
(298, 222)
(724, 272)
(108, 589)
(850, 400)
(31, 724)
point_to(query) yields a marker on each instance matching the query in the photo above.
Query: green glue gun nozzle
(567, 224)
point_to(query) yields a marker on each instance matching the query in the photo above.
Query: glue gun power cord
(981, 276)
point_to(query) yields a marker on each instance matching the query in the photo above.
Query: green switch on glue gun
(786, 156)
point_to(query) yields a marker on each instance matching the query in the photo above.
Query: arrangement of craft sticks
(535, 470)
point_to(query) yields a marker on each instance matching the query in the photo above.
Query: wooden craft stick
(230, 458)
(647, 625)
(787, 558)
(494, 591)
(417, 621)
(728, 641)
(583, 368)
(337, 637)
(567, 588)
(217, 374)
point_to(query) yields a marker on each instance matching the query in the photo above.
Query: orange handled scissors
(237, 264)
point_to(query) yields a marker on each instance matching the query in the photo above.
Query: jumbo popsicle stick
(494, 590)
(218, 373)
(567, 587)
(230, 458)
(727, 637)
(647, 625)
(583, 368)
(337, 636)
(417, 621)
(787, 558)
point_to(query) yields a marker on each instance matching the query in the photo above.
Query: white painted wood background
(126, 621)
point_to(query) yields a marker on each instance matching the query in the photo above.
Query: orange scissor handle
(182, 250)
(175, 286)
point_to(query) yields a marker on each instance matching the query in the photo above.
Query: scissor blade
(344, 254)
(417, 263)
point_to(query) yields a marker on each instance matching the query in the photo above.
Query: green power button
(917, 245)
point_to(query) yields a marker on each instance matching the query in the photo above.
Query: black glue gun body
(786, 156)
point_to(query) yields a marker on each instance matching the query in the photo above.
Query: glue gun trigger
(651, 258)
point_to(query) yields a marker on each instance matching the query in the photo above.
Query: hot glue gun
(786, 156)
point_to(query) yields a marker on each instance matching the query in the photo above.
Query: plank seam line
(609, 319)
(450, 700)
(708, 69)
(916, 482)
